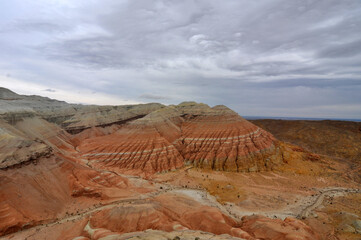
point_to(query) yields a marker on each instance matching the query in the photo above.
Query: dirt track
(332, 192)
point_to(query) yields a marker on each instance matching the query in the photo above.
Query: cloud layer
(269, 57)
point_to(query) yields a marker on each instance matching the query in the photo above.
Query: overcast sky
(298, 58)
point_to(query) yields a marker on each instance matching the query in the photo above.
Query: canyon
(186, 171)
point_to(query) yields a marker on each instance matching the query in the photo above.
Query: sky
(299, 58)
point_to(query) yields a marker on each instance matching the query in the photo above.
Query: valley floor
(276, 195)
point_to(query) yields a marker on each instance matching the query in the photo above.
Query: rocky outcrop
(268, 229)
(28, 132)
(30, 139)
(177, 214)
(74, 118)
(136, 151)
(215, 138)
(227, 142)
(153, 138)
(42, 193)
(167, 212)
(17, 148)
(102, 116)
(156, 235)
(15, 107)
(149, 138)
(6, 94)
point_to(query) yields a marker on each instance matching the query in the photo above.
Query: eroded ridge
(213, 138)
(230, 145)
(133, 152)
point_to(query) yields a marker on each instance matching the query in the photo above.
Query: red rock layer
(92, 133)
(39, 193)
(134, 150)
(228, 143)
(268, 229)
(168, 213)
(177, 212)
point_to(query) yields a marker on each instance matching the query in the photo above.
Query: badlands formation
(151, 171)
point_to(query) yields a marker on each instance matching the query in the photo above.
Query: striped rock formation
(139, 139)
(134, 150)
(36, 194)
(227, 143)
(215, 138)
(178, 213)
(167, 212)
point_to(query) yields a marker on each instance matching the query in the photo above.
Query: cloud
(49, 90)
(33, 26)
(262, 57)
(82, 96)
(343, 50)
(152, 97)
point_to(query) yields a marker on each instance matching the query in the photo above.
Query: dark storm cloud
(268, 57)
